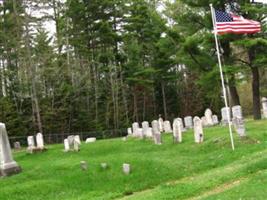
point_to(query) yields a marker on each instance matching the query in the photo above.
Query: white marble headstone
(239, 126)
(8, 165)
(198, 130)
(177, 131)
(77, 143)
(237, 111)
(135, 127)
(225, 111)
(31, 143)
(264, 107)
(66, 145)
(145, 129)
(208, 115)
(215, 119)
(161, 124)
(156, 132)
(40, 141)
(129, 131)
(167, 127)
(188, 121)
(204, 121)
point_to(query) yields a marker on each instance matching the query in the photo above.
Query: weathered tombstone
(208, 115)
(104, 165)
(177, 131)
(129, 131)
(17, 146)
(149, 133)
(156, 132)
(40, 141)
(84, 165)
(161, 124)
(215, 119)
(204, 121)
(76, 143)
(239, 126)
(31, 144)
(126, 168)
(140, 133)
(167, 127)
(71, 140)
(90, 140)
(145, 129)
(198, 130)
(66, 145)
(135, 127)
(264, 107)
(225, 111)
(188, 121)
(237, 111)
(8, 165)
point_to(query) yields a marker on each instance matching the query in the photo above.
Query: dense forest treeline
(112, 62)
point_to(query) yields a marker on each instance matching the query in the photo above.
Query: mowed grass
(170, 171)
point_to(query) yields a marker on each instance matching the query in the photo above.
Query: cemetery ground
(210, 170)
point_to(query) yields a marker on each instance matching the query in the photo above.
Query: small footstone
(126, 168)
(104, 165)
(84, 165)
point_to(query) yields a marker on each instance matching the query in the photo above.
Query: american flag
(228, 23)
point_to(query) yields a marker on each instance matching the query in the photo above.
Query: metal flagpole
(222, 78)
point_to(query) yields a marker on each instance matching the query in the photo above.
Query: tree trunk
(234, 97)
(256, 92)
(164, 100)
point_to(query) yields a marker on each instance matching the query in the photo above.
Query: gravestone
(177, 131)
(237, 111)
(90, 140)
(126, 168)
(17, 146)
(188, 121)
(208, 115)
(31, 144)
(264, 107)
(225, 111)
(71, 140)
(167, 127)
(140, 133)
(84, 165)
(104, 165)
(215, 119)
(198, 130)
(135, 127)
(161, 124)
(8, 166)
(129, 131)
(76, 143)
(40, 141)
(66, 145)
(239, 126)
(145, 129)
(156, 132)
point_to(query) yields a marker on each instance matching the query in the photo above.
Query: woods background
(113, 62)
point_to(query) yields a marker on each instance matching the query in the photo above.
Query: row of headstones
(32, 147)
(73, 143)
(158, 126)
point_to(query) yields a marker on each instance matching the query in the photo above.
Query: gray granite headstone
(8, 165)
(198, 130)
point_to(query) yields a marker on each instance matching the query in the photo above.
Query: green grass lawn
(171, 171)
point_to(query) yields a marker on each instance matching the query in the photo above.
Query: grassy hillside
(171, 171)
